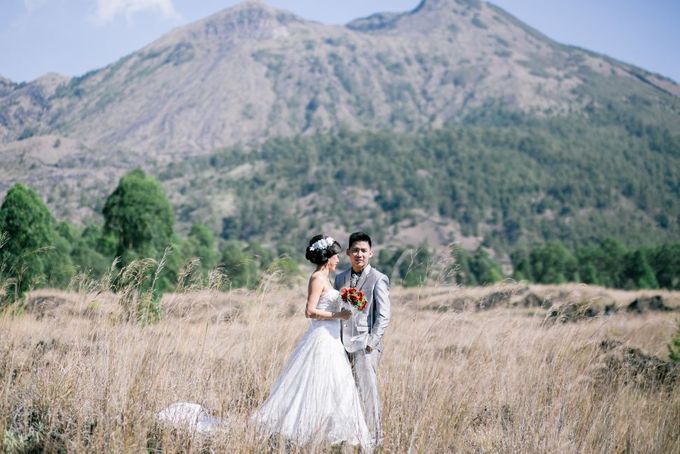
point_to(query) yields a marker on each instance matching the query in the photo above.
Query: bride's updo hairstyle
(321, 248)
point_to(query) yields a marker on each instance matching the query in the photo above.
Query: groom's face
(359, 254)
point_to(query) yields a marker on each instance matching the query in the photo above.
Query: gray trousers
(365, 370)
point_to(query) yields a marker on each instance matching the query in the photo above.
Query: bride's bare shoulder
(316, 279)
(319, 281)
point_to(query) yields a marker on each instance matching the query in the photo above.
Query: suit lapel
(345, 278)
(364, 277)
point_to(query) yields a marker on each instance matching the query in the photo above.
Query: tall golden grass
(75, 377)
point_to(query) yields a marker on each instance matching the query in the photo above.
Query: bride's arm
(314, 290)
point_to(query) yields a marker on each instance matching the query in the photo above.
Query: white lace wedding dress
(315, 398)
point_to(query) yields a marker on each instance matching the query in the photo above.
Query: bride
(315, 399)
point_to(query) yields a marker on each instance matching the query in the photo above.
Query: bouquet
(355, 298)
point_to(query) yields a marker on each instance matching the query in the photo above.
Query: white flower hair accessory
(323, 243)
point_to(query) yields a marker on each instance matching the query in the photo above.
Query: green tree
(59, 262)
(139, 217)
(86, 252)
(484, 268)
(29, 229)
(262, 255)
(587, 262)
(386, 260)
(285, 269)
(239, 266)
(552, 263)
(609, 263)
(410, 265)
(415, 269)
(665, 261)
(200, 243)
(461, 266)
(521, 265)
(637, 273)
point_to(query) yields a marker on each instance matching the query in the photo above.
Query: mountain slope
(252, 72)
(573, 179)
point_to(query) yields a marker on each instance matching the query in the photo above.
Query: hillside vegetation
(578, 179)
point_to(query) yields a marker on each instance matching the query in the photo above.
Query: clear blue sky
(72, 37)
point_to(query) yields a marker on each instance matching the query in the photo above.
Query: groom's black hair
(359, 236)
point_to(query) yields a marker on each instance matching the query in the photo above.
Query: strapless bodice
(329, 301)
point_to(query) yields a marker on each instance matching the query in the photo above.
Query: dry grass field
(464, 370)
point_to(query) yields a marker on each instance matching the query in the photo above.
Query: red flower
(354, 297)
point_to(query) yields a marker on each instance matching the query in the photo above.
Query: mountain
(252, 74)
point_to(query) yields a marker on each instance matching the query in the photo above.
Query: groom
(362, 334)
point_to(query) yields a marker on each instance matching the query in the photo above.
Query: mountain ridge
(234, 33)
(251, 74)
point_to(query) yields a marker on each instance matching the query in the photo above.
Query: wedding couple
(327, 391)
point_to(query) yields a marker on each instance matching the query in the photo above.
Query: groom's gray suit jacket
(372, 321)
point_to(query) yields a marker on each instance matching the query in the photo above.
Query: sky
(72, 37)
